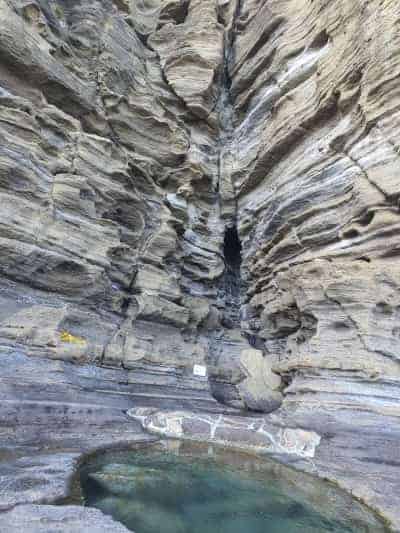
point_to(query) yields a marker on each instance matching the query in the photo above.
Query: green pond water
(179, 488)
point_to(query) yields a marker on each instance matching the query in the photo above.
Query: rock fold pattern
(135, 136)
(206, 184)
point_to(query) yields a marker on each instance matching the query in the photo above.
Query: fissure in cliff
(231, 280)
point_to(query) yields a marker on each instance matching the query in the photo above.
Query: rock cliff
(207, 183)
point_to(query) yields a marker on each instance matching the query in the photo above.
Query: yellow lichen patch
(65, 336)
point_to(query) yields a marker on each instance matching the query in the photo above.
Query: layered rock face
(315, 86)
(204, 183)
(119, 237)
(130, 131)
(111, 233)
(183, 180)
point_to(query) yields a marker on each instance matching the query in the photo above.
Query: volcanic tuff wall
(205, 181)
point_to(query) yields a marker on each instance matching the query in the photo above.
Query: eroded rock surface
(136, 137)
(64, 519)
(254, 434)
(316, 118)
(184, 182)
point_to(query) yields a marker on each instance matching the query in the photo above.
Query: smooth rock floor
(52, 415)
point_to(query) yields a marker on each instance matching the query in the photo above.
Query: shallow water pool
(175, 487)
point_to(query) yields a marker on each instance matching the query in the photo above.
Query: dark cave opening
(231, 282)
(232, 249)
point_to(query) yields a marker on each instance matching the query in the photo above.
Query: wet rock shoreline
(46, 446)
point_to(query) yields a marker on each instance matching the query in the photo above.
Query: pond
(177, 487)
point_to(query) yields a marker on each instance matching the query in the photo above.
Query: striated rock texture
(136, 137)
(65, 519)
(118, 231)
(206, 183)
(315, 86)
(110, 230)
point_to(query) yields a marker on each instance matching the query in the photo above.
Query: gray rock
(260, 389)
(255, 434)
(63, 519)
(181, 182)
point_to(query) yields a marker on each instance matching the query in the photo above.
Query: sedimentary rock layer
(111, 228)
(66, 518)
(316, 120)
(129, 134)
(199, 200)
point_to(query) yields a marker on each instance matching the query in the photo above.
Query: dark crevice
(351, 234)
(320, 40)
(367, 218)
(255, 341)
(176, 13)
(232, 249)
(229, 290)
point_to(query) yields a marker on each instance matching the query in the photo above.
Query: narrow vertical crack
(226, 342)
(225, 110)
(230, 282)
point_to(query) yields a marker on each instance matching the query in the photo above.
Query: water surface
(175, 487)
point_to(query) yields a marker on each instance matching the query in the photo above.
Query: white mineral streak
(186, 425)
